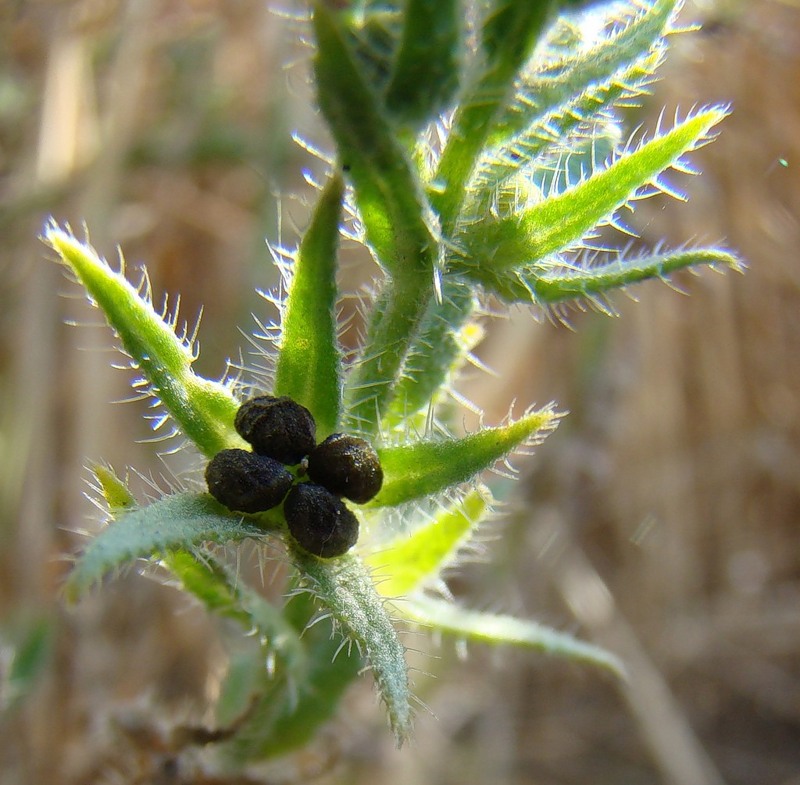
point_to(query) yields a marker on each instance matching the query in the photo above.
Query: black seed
(347, 466)
(319, 521)
(247, 482)
(277, 427)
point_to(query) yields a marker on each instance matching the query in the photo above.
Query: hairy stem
(395, 320)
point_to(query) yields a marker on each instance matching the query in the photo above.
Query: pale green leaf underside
(204, 410)
(425, 468)
(499, 629)
(184, 520)
(308, 364)
(345, 588)
(558, 222)
(406, 563)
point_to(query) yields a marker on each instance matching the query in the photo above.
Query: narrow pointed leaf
(555, 97)
(508, 36)
(217, 586)
(203, 409)
(308, 365)
(405, 564)
(345, 588)
(612, 59)
(224, 593)
(389, 199)
(208, 580)
(374, 32)
(571, 283)
(498, 629)
(539, 149)
(426, 67)
(426, 468)
(560, 221)
(184, 520)
(116, 493)
(290, 711)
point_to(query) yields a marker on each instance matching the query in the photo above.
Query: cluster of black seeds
(283, 433)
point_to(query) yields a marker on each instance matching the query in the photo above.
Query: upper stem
(395, 320)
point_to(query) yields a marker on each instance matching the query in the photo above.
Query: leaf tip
(63, 240)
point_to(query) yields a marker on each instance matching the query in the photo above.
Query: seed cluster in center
(282, 433)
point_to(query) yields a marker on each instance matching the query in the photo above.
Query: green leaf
(559, 221)
(308, 365)
(424, 468)
(426, 68)
(498, 629)
(344, 587)
(27, 659)
(389, 199)
(557, 97)
(222, 591)
(289, 713)
(403, 565)
(592, 282)
(209, 581)
(508, 36)
(374, 31)
(510, 30)
(184, 520)
(116, 493)
(566, 83)
(204, 410)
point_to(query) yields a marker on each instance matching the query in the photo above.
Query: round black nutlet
(247, 482)
(347, 466)
(279, 428)
(320, 522)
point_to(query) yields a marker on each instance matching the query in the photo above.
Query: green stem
(472, 123)
(435, 354)
(395, 321)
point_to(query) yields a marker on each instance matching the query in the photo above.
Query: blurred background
(662, 519)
